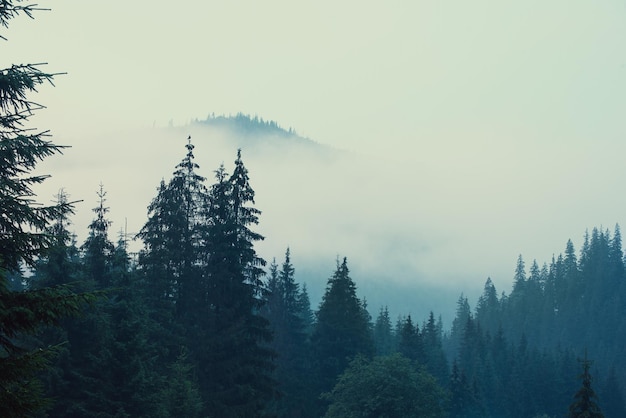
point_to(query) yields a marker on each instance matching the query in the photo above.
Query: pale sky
(510, 115)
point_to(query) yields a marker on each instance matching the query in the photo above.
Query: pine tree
(21, 239)
(383, 333)
(585, 403)
(180, 395)
(463, 314)
(305, 311)
(341, 331)
(434, 357)
(410, 341)
(289, 341)
(98, 249)
(463, 399)
(174, 245)
(488, 312)
(60, 263)
(235, 363)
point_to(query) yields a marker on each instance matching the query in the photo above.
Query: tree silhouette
(585, 400)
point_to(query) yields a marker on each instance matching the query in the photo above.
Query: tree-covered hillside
(197, 324)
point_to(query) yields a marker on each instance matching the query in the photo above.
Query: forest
(197, 324)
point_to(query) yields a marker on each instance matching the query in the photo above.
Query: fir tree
(585, 403)
(410, 341)
(235, 363)
(98, 249)
(289, 342)
(305, 311)
(383, 333)
(174, 245)
(21, 239)
(434, 357)
(341, 331)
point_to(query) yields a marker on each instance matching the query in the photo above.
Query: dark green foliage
(180, 394)
(409, 340)
(202, 279)
(383, 333)
(434, 358)
(464, 399)
(463, 314)
(306, 313)
(390, 386)
(585, 403)
(98, 249)
(22, 240)
(172, 239)
(286, 311)
(612, 398)
(488, 308)
(235, 363)
(575, 301)
(342, 329)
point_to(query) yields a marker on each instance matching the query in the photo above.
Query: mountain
(322, 202)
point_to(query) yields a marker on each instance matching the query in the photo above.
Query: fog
(416, 235)
(469, 133)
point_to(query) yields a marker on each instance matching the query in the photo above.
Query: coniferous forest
(197, 324)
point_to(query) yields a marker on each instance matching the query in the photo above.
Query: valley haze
(456, 136)
(413, 242)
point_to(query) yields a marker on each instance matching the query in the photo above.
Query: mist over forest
(530, 332)
(410, 236)
(232, 267)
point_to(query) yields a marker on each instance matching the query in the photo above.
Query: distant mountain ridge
(248, 125)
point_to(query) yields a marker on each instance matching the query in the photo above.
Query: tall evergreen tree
(488, 310)
(342, 329)
(173, 242)
(98, 248)
(383, 333)
(460, 321)
(409, 340)
(284, 313)
(306, 313)
(585, 403)
(235, 363)
(21, 239)
(434, 357)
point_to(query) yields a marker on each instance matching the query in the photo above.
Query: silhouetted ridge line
(249, 125)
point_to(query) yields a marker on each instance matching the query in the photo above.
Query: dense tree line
(195, 326)
(574, 304)
(192, 326)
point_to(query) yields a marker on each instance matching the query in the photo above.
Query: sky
(483, 129)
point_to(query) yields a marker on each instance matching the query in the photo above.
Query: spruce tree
(410, 341)
(383, 333)
(305, 311)
(585, 404)
(235, 364)
(434, 357)
(289, 342)
(98, 249)
(174, 249)
(22, 242)
(342, 329)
